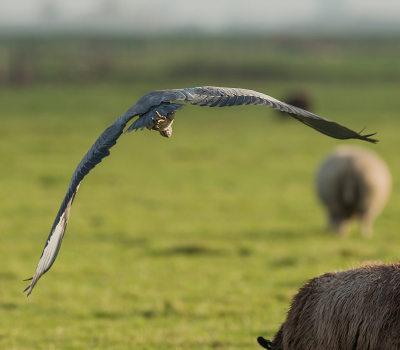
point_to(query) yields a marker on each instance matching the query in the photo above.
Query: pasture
(194, 242)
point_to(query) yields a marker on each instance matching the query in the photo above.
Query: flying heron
(156, 111)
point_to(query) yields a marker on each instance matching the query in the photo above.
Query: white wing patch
(53, 246)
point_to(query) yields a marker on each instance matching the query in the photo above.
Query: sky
(159, 17)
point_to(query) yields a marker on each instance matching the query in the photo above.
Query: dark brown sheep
(353, 183)
(297, 98)
(357, 309)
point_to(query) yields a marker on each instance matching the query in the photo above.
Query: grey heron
(156, 111)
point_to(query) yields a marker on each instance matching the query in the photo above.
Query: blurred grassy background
(134, 60)
(194, 242)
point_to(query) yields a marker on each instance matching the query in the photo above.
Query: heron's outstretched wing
(96, 153)
(220, 97)
(161, 102)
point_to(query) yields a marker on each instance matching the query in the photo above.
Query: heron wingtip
(367, 137)
(30, 287)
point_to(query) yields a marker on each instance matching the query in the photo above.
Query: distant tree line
(74, 60)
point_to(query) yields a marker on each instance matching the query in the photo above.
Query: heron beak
(167, 132)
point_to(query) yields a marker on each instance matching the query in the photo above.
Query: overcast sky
(207, 16)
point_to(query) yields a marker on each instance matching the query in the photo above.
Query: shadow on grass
(189, 250)
(122, 238)
(8, 306)
(286, 233)
(50, 181)
(7, 275)
(285, 262)
(273, 234)
(109, 315)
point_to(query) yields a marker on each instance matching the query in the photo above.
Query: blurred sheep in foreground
(356, 309)
(353, 183)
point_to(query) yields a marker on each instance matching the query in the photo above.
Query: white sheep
(353, 183)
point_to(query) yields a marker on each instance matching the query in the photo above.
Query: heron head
(167, 132)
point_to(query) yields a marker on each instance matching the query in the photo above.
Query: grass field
(194, 242)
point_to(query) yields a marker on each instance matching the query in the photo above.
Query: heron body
(163, 124)
(156, 111)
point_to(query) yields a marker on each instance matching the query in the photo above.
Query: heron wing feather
(220, 97)
(96, 153)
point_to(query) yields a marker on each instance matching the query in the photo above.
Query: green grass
(194, 242)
